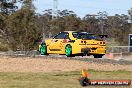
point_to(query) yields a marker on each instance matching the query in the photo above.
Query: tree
(130, 14)
(119, 28)
(7, 6)
(90, 24)
(21, 28)
(102, 17)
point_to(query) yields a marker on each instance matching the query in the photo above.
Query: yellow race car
(73, 43)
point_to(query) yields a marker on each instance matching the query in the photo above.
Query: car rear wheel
(43, 49)
(68, 50)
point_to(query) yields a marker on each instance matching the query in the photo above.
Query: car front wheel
(43, 49)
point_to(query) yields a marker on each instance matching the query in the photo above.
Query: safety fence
(113, 52)
(119, 52)
(119, 49)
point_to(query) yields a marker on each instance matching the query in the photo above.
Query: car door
(57, 42)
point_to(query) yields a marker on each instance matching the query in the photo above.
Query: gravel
(42, 64)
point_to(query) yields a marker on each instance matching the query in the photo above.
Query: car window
(62, 35)
(88, 36)
(75, 34)
(66, 36)
(80, 35)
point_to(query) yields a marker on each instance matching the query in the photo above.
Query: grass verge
(58, 79)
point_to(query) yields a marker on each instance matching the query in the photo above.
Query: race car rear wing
(103, 36)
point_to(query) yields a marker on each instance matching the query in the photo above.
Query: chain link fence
(113, 52)
(20, 53)
(119, 52)
(119, 49)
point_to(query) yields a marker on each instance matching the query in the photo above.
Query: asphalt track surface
(79, 58)
(35, 54)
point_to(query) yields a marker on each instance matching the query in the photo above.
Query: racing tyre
(68, 50)
(43, 49)
(84, 81)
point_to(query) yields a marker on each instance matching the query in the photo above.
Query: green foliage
(7, 6)
(21, 29)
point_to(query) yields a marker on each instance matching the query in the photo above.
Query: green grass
(58, 80)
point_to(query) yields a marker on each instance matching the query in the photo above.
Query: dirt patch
(28, 64)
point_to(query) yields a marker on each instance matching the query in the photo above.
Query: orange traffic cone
(110, 56)
(84, 73)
